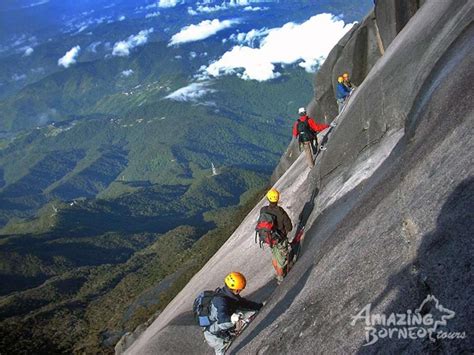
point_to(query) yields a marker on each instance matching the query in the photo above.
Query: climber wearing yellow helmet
(347, 81)
(342, 93)
(272, 228)
(225, 307)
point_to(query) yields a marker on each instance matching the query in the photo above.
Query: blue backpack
(202, 308)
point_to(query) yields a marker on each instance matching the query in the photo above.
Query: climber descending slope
(219, 311)
(272, 228)
(306, 130)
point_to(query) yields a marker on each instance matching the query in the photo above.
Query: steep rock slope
(356, 53)
(390, 205)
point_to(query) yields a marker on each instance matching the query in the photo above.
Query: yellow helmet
(340, 79)
(235, 281)
(345, 76)
(273, 195)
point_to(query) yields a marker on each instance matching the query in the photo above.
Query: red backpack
(266, 229)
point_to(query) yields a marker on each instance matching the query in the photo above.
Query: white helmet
(302, 111)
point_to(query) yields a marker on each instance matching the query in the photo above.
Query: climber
(342, 92)
(347, 82)
(306, 130)
(272, 228)
(224, 311)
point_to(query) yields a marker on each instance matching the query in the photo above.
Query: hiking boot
(279, 279)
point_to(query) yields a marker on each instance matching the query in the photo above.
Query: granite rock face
(387, 210)
(393, 15)
(356, 53)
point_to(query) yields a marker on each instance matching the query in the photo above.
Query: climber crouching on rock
(224, 309)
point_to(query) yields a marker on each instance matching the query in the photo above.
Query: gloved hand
(229, 336)
(333, 124)
(235, 318)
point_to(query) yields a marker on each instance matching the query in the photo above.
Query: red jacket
(313, 125)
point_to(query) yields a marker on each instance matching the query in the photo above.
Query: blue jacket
(342, 91)
(223, 305)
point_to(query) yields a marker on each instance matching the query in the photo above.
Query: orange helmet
(340, 79)
(235, 281)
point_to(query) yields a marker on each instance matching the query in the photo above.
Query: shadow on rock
(307, 209)
(277, 310)
(443, 269)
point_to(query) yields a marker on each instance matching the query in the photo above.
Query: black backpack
(266, 229)
(305, 134)
(202, 308)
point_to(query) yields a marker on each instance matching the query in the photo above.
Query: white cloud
(39, 70)
(250, 38)
(191, 92)
(168, 3)
(28, 51)
(121, 18)
(206, 7)
(80, 26)
(70, 57)
(41, 2)
(18, 77)
(255, 63)
(148, 7)
(152, 14)
(202, 30)
(191, 11)
(123, 48)
(127, 73)
(209, 9)
(307, 43)
(255, 8)
(93, 46)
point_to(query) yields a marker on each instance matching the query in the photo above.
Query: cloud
(123, 48)
(168, 3)
(70, 57)
(127, 73)
(191, 92)
(45, 117)
(205, 6)
(121, 18)
(38, 3)
(93, 46)
(256, 8)
(18, 77)
(28, 51)
(250, 38)
(152, 14)
(39, 70)
(80, 26)
(202, 30)
(308, 44)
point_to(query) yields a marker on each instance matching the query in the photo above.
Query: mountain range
(112, 114)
